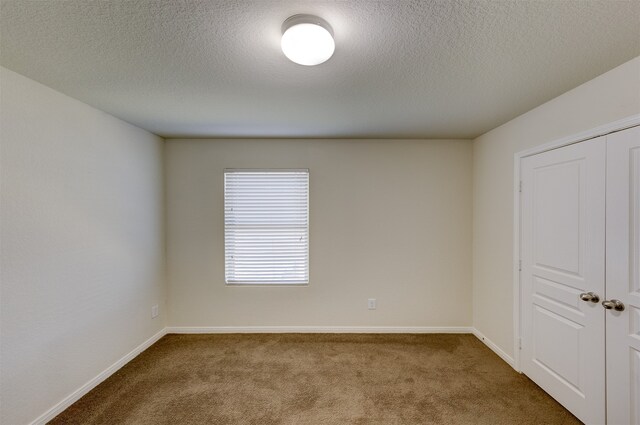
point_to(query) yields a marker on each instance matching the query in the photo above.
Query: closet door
(563, 272)
(623, 277)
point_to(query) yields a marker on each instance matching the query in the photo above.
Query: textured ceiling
(409, 68)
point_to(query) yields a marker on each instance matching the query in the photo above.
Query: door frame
(603, 130)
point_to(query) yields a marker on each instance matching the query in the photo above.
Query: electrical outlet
(371, 303)
(154, 311)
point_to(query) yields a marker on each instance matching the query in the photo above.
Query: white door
(623, 277)
(563, 261)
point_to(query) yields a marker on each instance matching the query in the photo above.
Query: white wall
(389, 220)
(82, 259)
(607, 98)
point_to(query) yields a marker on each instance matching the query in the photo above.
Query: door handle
(590, 296)
(616, 305)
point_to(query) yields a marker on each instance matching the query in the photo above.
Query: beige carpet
(317, 379)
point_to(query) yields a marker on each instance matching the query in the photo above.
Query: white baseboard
(318, 329)
(77, 394)
(504, 356)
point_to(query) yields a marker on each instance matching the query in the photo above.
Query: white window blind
(266, 226)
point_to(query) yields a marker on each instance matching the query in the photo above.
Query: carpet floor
(301, 379)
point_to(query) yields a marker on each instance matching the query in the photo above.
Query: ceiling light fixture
(307, 40)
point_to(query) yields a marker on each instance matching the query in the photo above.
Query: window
(266, 227)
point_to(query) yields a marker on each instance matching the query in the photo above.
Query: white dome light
(307, 40)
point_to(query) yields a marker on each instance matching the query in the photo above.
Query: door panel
(634, 391)
(623, 276)
(557, 240)
(562, 252)
(551, 330)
